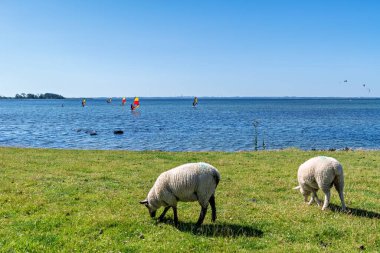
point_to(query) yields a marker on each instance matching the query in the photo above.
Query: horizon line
(209, 97)
(242, 97)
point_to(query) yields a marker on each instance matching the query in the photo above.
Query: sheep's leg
(342, 199)
(311, 199)
(339, 184)
(201, 216)
(175, 216)
(340, 191)
(327, 199)
(319, 202)
(161, 218)
(315, 198)
(213, 208)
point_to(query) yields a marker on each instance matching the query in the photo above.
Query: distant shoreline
(35, 96)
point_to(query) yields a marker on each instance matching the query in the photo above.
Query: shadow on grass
(356, 212)
(218, 229)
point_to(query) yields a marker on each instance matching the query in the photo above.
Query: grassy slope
(59, 200)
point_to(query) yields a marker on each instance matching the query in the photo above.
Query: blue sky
(205, 48)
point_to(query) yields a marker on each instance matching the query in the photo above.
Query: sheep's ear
(296, 188)
(143, 202)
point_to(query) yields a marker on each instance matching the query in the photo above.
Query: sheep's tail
(339, 178)
(214, 172)
(216, 176)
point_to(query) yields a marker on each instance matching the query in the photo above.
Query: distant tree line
(38, 96)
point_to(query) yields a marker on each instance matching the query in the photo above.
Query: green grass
(87, 201)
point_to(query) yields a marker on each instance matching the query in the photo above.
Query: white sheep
(188, 182)
(321, 173)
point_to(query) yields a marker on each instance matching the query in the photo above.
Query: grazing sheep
(188, 182)
(321, 172)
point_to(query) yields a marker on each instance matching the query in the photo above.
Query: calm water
(174, 125)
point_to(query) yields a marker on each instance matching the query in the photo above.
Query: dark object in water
(87, 131)
(91, 132)
(118, 132)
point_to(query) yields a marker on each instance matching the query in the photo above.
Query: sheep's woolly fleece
(188, 182)
(321, 173)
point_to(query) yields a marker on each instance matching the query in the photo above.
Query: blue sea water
(223, 124)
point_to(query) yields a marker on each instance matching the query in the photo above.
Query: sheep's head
(151, 209)
(305, 193)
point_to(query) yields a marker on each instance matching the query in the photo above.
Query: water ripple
(173, 125)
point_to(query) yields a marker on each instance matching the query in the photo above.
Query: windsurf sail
(123, 101)
(195, 102)
(135, 104)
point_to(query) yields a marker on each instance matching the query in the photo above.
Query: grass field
(87, 201)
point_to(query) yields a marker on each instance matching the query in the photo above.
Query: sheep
(321, 172)
(188, 182)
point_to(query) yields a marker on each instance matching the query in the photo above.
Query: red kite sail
(136, 104)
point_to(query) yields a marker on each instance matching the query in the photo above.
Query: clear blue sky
(205, 48)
